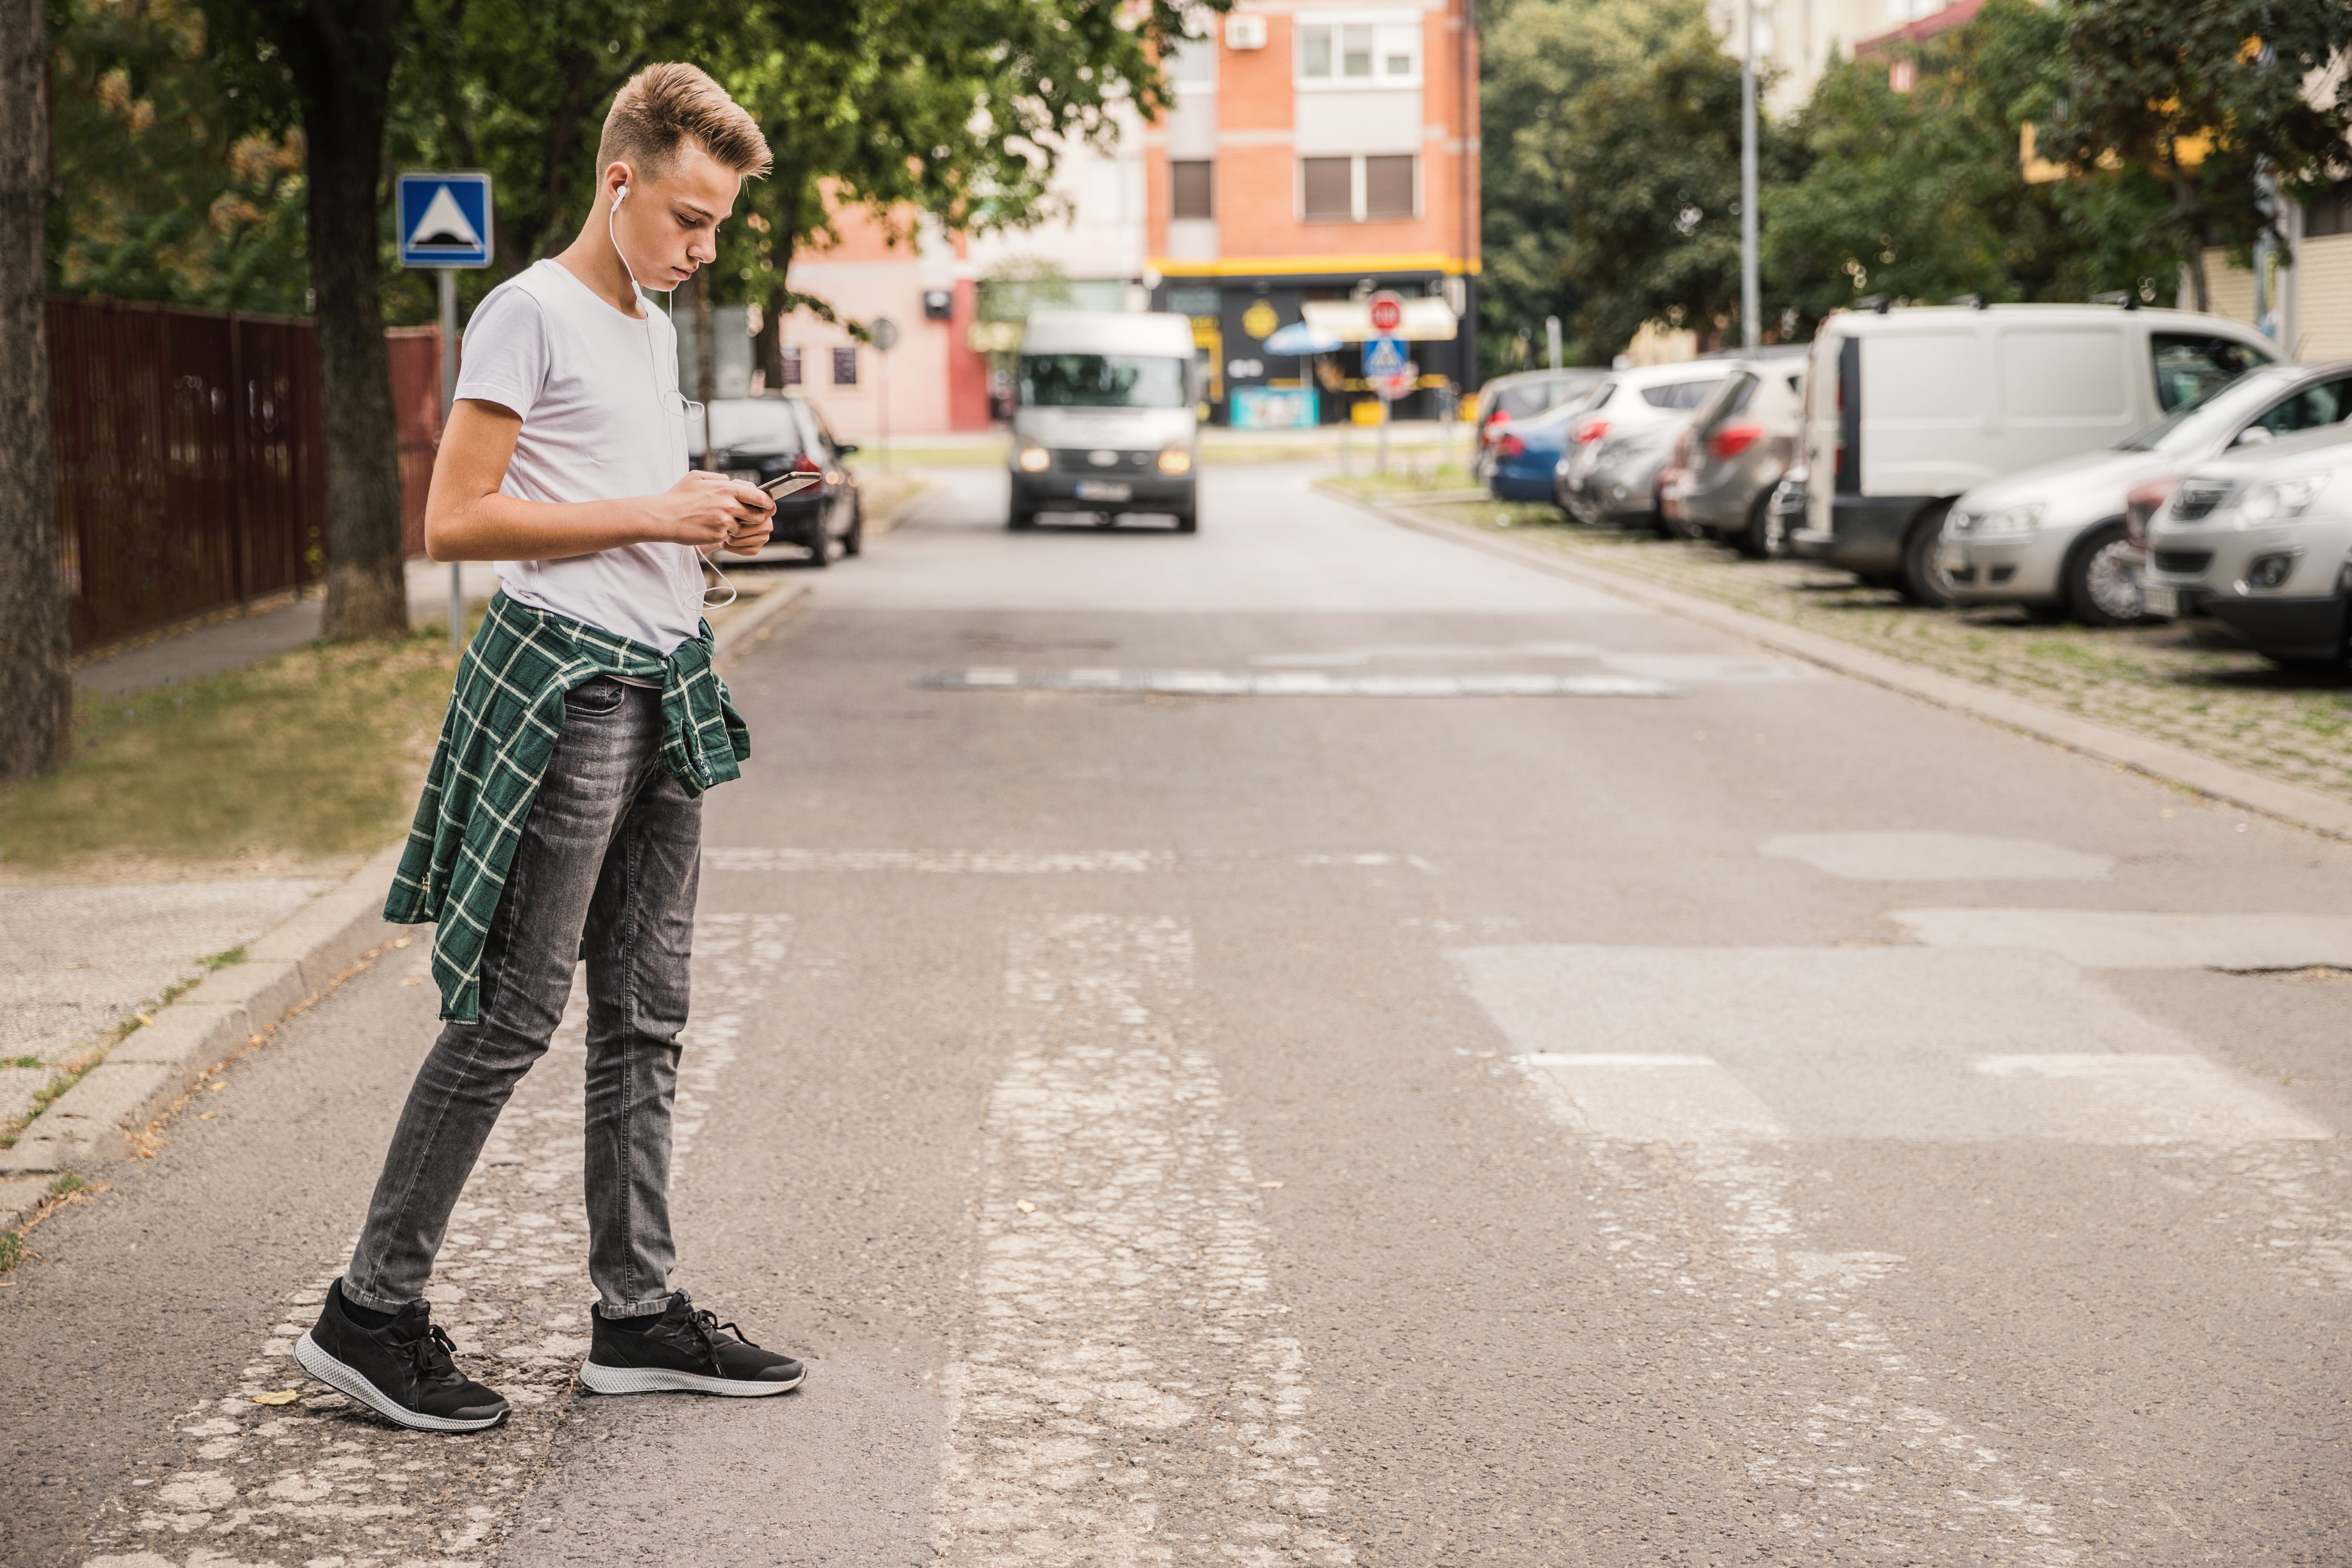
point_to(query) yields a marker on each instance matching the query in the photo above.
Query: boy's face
(668, 227)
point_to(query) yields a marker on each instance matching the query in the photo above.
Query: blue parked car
(1527, 451)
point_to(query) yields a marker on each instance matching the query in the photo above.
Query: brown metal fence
(190, 473)
(415, 354)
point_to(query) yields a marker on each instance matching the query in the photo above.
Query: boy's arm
(466, 517)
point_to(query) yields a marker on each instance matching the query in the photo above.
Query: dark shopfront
(1232, 318)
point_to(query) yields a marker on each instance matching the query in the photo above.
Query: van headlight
(2278, 498)
(2008, 520)
(1175, 460)
(1036, 459)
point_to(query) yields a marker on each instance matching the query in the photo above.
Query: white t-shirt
(602, 419)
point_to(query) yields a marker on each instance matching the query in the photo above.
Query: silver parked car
(2261, 540)
(1736, 450)
(1618, 446)
(2053, 537)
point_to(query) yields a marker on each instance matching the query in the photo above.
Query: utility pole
(448, 401)
(1752, 292)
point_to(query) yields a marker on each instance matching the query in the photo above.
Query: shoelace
(433, 1355)
(707, 1324)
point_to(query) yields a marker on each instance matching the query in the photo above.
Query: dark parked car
(1524, 395)
(756, 439)
(1525, 453)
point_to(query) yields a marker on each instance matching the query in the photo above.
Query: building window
(2329, 213)
(1375, 52)
(1388, 187)
(1357, 190)
(791, 367)
(845, 367)
(1195, 188)
(1328, 189)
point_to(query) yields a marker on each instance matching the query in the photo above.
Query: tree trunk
(768, 348)
(342, 59)
(35, 667)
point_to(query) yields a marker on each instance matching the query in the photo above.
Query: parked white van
(1104, 419)
(1906, 409)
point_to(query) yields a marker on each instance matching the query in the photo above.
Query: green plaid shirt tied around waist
(505, 717)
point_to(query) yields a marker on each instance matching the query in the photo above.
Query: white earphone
(619, 196)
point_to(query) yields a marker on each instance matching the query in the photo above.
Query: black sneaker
(686, 1350)
(403, 1371)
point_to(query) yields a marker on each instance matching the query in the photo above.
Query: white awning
(1426, 319)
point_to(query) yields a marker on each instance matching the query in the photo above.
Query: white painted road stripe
(943, 862)
(1905, 857)
(1304, 683)
(1120, 1303)
(1651, 1098)
(2099, 1097)
(2114, 938)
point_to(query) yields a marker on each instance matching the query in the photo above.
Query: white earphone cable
(653, 366)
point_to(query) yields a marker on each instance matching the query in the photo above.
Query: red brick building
(1319, 150)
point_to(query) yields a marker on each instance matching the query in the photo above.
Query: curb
(296, 961)
(292, 965)
(2159, 760)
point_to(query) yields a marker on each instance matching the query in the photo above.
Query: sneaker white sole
(349, 1380)
(602, 1379)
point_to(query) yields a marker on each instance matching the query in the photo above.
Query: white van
(1906, 409)
(1104, 418)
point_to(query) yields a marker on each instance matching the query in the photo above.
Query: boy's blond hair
(664, 105)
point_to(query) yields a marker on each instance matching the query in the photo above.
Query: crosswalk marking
(1652, 1098)
(1124, 1389)
(1297, 683)
(1697, 1045)
(1922, 857)
(2124, 939)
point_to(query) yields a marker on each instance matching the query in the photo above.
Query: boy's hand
(711, 511)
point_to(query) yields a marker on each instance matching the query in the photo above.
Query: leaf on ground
(276, 1397)
(1025, 1206)
(1269, 1183)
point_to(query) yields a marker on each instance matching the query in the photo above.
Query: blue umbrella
(1301, 338)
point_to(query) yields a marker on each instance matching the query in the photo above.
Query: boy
(562, 818)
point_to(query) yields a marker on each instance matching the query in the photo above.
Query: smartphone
(792, 484)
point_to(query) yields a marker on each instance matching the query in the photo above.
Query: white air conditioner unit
(1245, 32)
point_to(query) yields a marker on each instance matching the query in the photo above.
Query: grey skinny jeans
(612, 853)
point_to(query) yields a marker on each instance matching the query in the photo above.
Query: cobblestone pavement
(2189, 682)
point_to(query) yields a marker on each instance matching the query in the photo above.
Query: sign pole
(449, 401)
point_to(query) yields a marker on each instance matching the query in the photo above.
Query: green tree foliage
(1613, 187)
(167, 188)
(2207, 98)
(1920, 196)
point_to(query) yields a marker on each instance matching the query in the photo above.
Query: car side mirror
(2254, 436)
(845, 447)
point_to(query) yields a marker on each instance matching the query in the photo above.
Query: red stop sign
(1388, 312)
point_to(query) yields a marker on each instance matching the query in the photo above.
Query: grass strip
(311, 752)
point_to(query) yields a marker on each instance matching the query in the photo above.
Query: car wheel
(819, 543)
(1188, 522)
(1925, 581)
(854, 541)
(2102, 589)
(1022, 518)
(1760, 539)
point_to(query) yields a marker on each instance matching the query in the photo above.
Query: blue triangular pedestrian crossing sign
(1384, 356)
(444, 219)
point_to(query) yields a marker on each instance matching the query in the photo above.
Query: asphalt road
(1747, 1118)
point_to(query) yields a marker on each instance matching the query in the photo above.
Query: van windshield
(1102, 381)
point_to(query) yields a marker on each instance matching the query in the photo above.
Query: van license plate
(1103, 490)
(2158, 601)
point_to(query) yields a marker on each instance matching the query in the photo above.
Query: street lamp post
(1752, 302)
